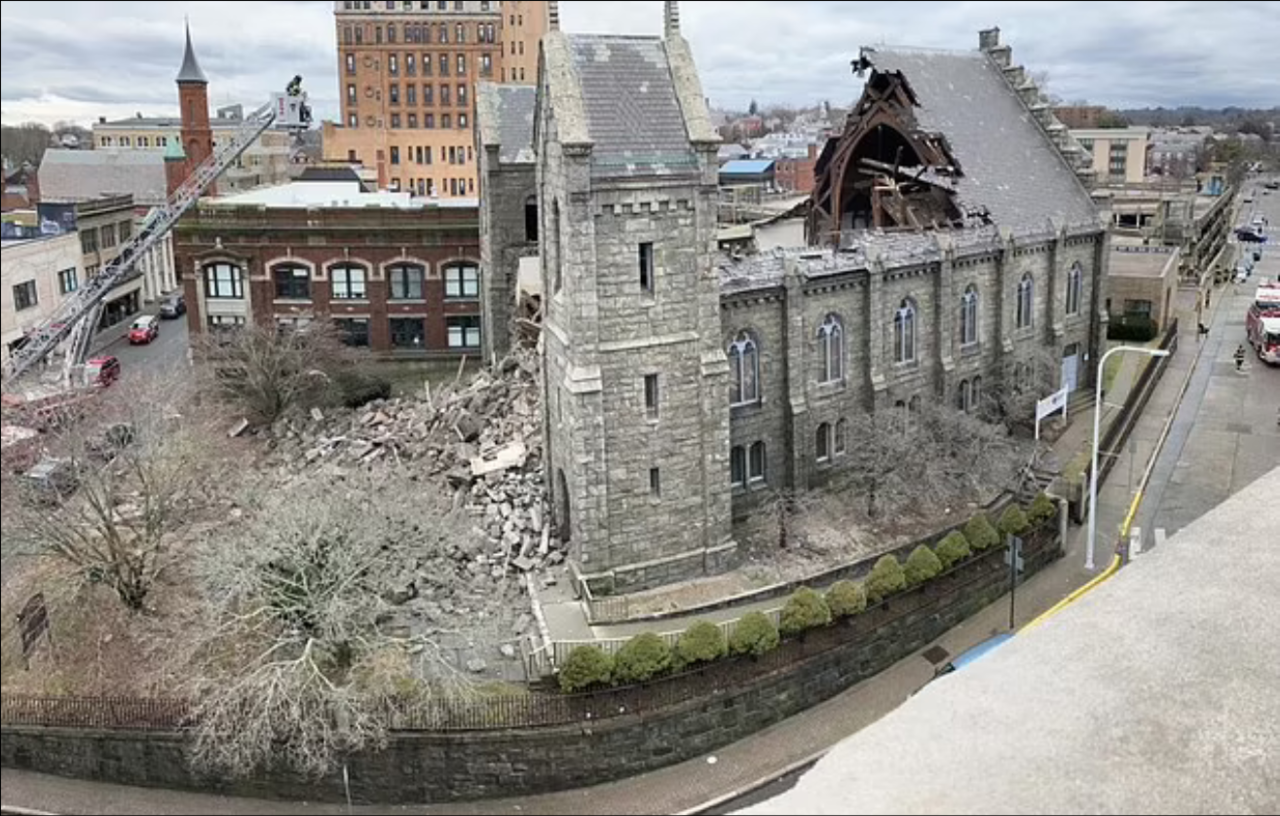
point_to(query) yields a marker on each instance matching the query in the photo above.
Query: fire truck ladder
(76, 318)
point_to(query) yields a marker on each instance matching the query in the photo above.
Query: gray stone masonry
(639, 489)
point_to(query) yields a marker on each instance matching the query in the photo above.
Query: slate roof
(632, 111)
(190, 71)
(78, 175)
(514, 129)
(1010, 165)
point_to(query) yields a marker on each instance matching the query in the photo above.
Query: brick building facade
(402, 281)
(682, 387)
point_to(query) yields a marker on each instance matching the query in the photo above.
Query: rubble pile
(479, 438)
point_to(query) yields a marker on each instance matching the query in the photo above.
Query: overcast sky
(81, 60)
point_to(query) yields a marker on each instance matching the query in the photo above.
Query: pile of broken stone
(479, 438)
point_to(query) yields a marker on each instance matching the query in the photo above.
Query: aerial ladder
(76, 318)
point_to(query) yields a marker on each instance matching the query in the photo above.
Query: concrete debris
(238, 428)
(479, 439)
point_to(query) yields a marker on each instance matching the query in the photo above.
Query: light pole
(1097, 425)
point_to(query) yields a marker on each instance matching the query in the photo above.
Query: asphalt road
(1225, 434)
(165, 355)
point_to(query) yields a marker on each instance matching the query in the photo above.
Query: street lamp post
(1097, 425)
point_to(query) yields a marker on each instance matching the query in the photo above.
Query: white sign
(1051, 404)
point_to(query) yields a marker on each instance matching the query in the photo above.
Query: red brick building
(796, 175)
(399, 277)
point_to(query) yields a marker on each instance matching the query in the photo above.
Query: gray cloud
(79, 60)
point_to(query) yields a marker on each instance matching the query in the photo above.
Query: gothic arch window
(1026, 302)
(756, 473)
(904, 332)
(744, 370)
(831, 349)
(1075, 289)
(969, 316)
(823, 443)
(531, 219)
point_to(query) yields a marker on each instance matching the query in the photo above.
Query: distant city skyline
(117, 59)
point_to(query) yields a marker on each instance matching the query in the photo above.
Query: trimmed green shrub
(922, 565)
(1041, 510)
(846, 599)
(805, 609)
(952, 549)
(980, 534)
(754, 635)
(885, 579)
(1013, 521)
(641, 658)
(587, 666)
(700, 643)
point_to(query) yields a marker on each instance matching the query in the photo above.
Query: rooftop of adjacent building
(420, 9)
(1153, 693)
(1112, 134)
(1132, 258)
(347, 194)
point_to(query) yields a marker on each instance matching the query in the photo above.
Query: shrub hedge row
(647, 655)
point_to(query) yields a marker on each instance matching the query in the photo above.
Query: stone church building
(952, 244)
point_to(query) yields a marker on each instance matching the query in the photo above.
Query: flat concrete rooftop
(1154, 693)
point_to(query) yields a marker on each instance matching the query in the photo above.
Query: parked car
(144, 330)
(102, 371)
(173, 307)
(1249, 236)
(51, 480)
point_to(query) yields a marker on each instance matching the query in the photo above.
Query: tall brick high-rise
(407, 75)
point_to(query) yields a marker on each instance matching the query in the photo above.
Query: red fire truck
(1262, 323)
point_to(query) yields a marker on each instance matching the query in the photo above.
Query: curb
(21, 811)
(752, 787)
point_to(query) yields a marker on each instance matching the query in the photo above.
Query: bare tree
(1010, 397)
(265, 371)
(299, 666)
(125, 480)
(936, 454)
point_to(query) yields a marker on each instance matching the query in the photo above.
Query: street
(166, 353)
(1225, 434)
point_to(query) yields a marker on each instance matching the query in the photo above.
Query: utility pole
(1013, 555)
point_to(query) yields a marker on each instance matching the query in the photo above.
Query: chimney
(553, 15)
(102, 120)
(988, 38)
(671, 20)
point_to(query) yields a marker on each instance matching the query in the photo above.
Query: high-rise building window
(444, 65)
(486, 64)
(413, 121)
(462, 65)
(353, 120)
(395, 154)
(411, 94)
(444, 94)
(428, 95)
(426, 65)
(395, 121)
(393, 65)
(393, 93)
(446, 121)
(352, 98)
(351, 63)
(462, 96)
(460, 33)
(410, 67)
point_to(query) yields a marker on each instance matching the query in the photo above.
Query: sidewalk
(736, 767)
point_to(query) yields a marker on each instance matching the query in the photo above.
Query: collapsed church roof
(941, 140)
(940, 143)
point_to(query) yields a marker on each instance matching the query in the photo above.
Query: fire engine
(1262, 323)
